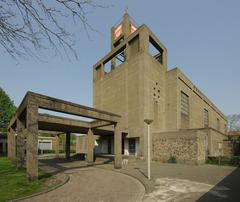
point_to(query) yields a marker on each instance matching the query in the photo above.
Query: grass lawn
(13, 182)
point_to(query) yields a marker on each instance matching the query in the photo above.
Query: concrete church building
(133, 80)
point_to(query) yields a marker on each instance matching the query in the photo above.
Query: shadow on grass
(227, 189)
(13, 182)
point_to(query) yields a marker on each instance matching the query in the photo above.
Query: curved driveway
(93, 184)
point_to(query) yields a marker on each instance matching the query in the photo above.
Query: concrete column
(67, 146)
(90, 147)
(57, 146)
(32, 140)
(20, 144)
(144, 41)
(113, 63)
(13, 144)
(9, 140)
(127, 52)
(117, 147)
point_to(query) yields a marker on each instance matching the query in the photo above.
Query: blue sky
(202, 38)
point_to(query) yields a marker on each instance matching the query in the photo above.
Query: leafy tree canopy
(7, 109)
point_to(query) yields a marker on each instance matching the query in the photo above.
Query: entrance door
(132, 145)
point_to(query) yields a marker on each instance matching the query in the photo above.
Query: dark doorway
(132, 145)
(109, 146)
(122, 146)
(1, 148)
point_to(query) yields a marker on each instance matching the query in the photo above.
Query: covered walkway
(24, 126)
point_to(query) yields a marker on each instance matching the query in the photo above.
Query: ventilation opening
(115, 60)
(108, 67)
(155, 50)
(118, 41)
(120, 58)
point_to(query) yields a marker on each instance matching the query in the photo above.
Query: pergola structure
(24, 126)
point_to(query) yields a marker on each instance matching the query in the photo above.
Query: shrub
(172, 159)
(46, 151)
(212, 160)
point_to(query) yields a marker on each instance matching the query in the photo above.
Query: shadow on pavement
(140, 171)
(227, 189)
(54, 166)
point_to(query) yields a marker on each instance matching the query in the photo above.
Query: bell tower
(122, 30)
(130, 81)
(119, 33)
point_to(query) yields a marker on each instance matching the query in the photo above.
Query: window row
(185, 111)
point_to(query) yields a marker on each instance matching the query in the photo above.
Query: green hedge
(234, 161)
(50, 151)
(47, 151)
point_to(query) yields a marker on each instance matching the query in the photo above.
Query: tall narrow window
(184, 111)
(218, 124)
(205, 118)
(184, 104)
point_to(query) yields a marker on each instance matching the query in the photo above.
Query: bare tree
(27, 25)
(234, 122)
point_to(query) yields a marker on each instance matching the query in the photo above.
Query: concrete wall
(228, 150)
(177, 82)
(52, 140)
(81, 144)
(216, 140)
(172, 109)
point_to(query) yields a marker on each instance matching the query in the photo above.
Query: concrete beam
(97, 124)
(55, 133)
(61, 120)
(58, 105)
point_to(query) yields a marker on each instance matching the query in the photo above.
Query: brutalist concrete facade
(138, 85)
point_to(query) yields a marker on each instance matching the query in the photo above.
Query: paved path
(187, 183)
(94, 184)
